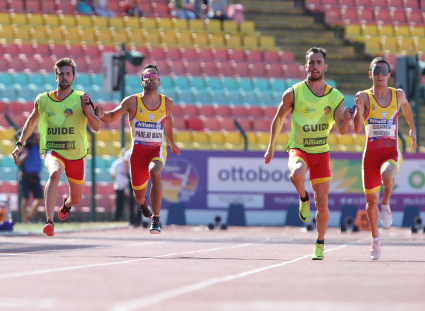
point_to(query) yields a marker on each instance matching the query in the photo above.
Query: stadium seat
(233, 41)
(216, 40)
(222, 110)
(247, 27)
(211, 123)
(213, 25)
(194, 123)
(220, 97)
(227, 123)
(274, 70)
(16, 6)
(218, 55)
(202, 96)
(257, 70)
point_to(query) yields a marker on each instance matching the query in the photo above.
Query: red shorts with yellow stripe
(141, 157)
(317, 164)
(75, 170)
(372, 163)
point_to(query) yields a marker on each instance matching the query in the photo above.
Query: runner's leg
(155, 169)
(321, 192)
(388, 171)
(55, 169)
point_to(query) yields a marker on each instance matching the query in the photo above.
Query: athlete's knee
(387, 178)
(139, 197)
(74, 200)
(372, 203)
(155, 175)
(55, 176)
(321, 201)
(297, 176)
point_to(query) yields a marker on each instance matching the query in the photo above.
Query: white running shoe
(387, 217)
(375, 250)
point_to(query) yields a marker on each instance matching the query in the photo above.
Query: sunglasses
(383, 70)
(151, 75)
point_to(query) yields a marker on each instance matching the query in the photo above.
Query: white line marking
(160, 297)
(29, 273)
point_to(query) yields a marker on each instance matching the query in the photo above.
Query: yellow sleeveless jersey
(62, 125)
(147, 126)
(381, 123)
(312, 118)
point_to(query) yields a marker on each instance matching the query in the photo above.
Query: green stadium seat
(220, 97)
(83, 79)
(202, 96)
(244, 83)
(7, 161)
(197, 82)
(97, 79)
(181, 82)
(6, 78)
(262, 84)
(20, 78)
(36, 78)
(214, 83)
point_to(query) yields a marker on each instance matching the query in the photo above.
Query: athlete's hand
(359, 100)
(347, 114)
(174, 148)
(99, 111)
(16, 153)
(269, 155)
(85, 100)
(414, 145)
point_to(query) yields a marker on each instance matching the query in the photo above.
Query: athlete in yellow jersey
(315, 107)
(149, 116)
(62, 117)
(377, 109)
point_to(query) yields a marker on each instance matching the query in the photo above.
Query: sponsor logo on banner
(248, 175)
(216, 200)
(179, 180)
(410, 178)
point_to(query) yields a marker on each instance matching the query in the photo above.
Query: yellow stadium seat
(250, 41)
(7, 32)
(353, 32)
(112, 148)
(267, 42)
(39, 34)
(164, 23)
(7, 134)
(369, 30)
(196, 25)
(152, 37)
(247, 27)
(419, 45)
(116, 135)
(51, 20)
(89, 35)
(116, 22)
(55, 34)
(391, 44)
(216, 40)
(230, 27)
(263, 138)
(407, 45)
(418, 31)
(282, 139)
(233, 40)
(179, 24)
(121, 36)
(104, 36)
(84, 21)
(132, 22)
(103, 135)
(5, 18)
(385, 30)
(6, 147)
(67, 20)
(184, 38)
(168, 38)
(233, 137)
(183, 137)
(346, 142)
(213, 25)
(23, 33)
(216, 137)
(200, 39)
(373, 44)
(100, 148)
(252, 137)
(73, 35)
(100, 21)
(200, 140)
(18, 19)
(403, 31)
(137, 35)
(148, 23)
(359, 141)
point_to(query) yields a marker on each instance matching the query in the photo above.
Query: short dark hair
(65, 62)
(316, 50)
(380, 60)
(148, 66)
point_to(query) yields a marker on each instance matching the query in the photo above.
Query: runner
(377, 108)
(315, 107)
(149, 116)
(62, 117)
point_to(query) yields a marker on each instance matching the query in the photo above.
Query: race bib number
(381, 129)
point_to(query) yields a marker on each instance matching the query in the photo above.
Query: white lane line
(160, 297)
(38, 272)
(73, 249)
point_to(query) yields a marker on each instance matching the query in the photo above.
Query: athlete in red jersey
(377, 108)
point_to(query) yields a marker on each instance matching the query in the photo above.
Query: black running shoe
(155, 228)
(145, 209)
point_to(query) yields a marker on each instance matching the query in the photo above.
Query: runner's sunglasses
(383, 70)
(151, 75)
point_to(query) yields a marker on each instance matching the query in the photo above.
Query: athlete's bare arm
(129, 104)
(407, 110)
(286, 104)
(92, 119)
(168, 127)
(362, 102)
(26, 131)
(342, 118)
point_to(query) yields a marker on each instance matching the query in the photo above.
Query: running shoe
(64, 211)
(318, 252)
(155, 228)
(145, 209)
(387, 217)
(375, 250)
(305, 210)
(49, 228)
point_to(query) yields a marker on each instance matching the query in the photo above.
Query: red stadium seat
(173, 54)
(416, 17)
(3, 108)
(177, 68)
(271, 57)
(237, 55)
(194, 68)
(177, 111)
(274, 70)
(242, 69)
(160, 9)
(287, 57)
(115, 6)
(231, 69)
(206, 55)
(253, 56)
(15, 107)
(189, 54)
(262, 125)
(245, 123)
(206, 110)
(190, 110)
(211, 123)
(269, 112)
(91, 50)
(332, 15)
(70, 6)
(367, 15)
(223, 111)
(398, 4)
(383, 15)
(255, 112)
(257, 70)
(209, 68)
(379, 3)
(16, 5)
(350, 14)
(219, 55)
(163, 66)
(399, 16)
(179, 123)
(4, 64)
(41, 49)
(17, 62)
(27, 49)
(48, 6)
(11, 48)
(239, 111)
(194, 123)
(75, 51)
(412, 4)
(364, 3)
(33, 6)
(227, 123)
(60, 50)
(33, 63)
(292, 71)
(156, 53)
(314, 4)
(347, 3)
(145, 7)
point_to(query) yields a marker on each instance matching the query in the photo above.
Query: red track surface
(188, 268)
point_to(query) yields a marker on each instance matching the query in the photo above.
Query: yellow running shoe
(305, 211)
(318, 252)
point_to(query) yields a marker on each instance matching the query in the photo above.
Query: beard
(150, 87)
(315, 79)
(64, 85)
